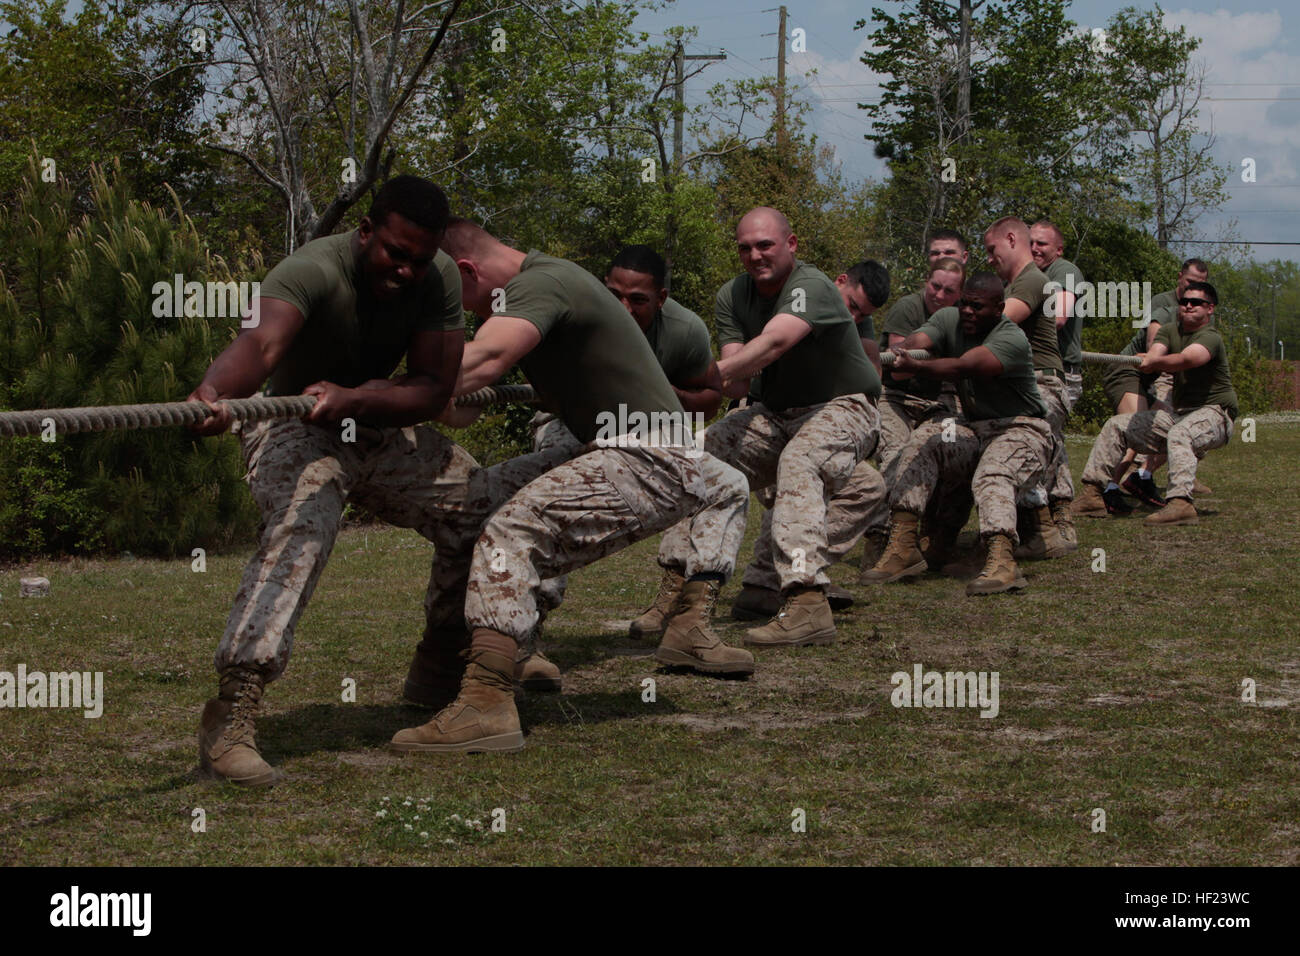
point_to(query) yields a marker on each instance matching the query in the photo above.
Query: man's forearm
(756, 355)
(948, 369)
(1167, 363)
(479, 367)
(407, 403)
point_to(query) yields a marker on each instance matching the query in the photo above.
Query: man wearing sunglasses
(1204, 408)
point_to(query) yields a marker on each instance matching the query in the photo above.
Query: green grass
(1119, 690)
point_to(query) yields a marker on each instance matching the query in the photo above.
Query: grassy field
(1119, 690)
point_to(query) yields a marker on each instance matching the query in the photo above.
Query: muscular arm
(432, 362)
(500, 343)
(978, 362)
(781, 333)
(1016, 310)
(1159, 359)
(247, 362)
(703, 393)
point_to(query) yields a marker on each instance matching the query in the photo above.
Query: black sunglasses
(1188, 300)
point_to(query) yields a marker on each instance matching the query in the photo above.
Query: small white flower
(424, 834)
(380, 814)
(416, 817)
(449, 840)
(407, 826)
(386, 799)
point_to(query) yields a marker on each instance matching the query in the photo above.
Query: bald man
(858, 507)
(591, 364)
(815, 421)
(1010, 254)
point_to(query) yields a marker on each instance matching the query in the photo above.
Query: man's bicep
(1017, 310)
(278, 324)
(982, 362)
(787, 329)
(1196, 355)
(508, 337)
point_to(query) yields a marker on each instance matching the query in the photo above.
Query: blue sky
(1252, 99)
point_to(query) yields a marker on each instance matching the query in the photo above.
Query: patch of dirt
(759, 720)
(1115, 700)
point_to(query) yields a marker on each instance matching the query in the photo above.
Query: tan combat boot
(1175, 511)
(1000, 572)
(1041, 538)
(433, 679)
(1201, 488)
(690, 642)
(805, 618)
(755, 604)
(537, 674)
(227, 746)
(1090, 504)
(902, 557)
(873, 546)
(653, 621)
(481, 718)
(1064, 522)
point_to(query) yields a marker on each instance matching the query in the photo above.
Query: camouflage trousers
(302, 475)
(902, 413)
(550, 432)
(860, 505)
(1185, 436)
(1058, 485)
(808, 454)
(590, 507)
(996, 458)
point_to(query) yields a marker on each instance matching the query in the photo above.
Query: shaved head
(768, 218)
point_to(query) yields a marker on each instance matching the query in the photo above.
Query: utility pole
(679, 103)
(780, 73)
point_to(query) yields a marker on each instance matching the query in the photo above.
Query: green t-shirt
(1069, 337)
(905, 317)
(1039, 328)
(348, 336)
(825, 364)
(1208, 384)
(1014, 392)
(594, 361)
(680, 341)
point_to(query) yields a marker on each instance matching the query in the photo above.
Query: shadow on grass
(98, 806)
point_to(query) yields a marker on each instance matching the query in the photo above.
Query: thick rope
(1101, 358)
(103, 418)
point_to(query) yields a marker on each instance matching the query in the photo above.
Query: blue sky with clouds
(1252, 99)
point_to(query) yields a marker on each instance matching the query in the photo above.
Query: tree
(310, 94)
(1159, 87)
(79, 326)
(85, 89)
